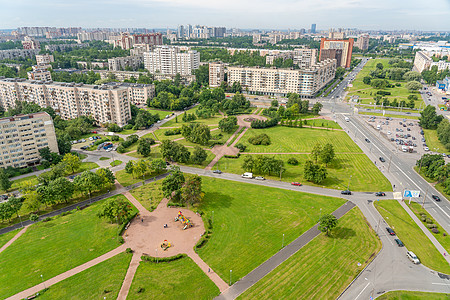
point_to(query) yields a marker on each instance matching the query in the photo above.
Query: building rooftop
(106, 86)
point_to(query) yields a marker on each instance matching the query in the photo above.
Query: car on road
(346, 192)
(390, 231)
(388, 132)
(426, 148)
(435, 198)
(399, 243)
(259, 178)
(380, 194)
(382, 159)
(367, 140)
(412, 257)
(217, 172)
(296, 183)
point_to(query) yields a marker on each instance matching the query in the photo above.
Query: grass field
(335, 260)
(161, 112)
(173, 123)
(286, 140)
(115, 163)
(321, 123)
(85, 166)
(104, 158)
(179, 279)
(248, 228)
(128, 131)
(411, 235)
(433, 142)
(126, 179)
(149, 195)
(443, 240)
(93, 282)
(365, 175)
(408, 117)
(412, 295)
(155, 153)
(17, 184)
(51, 248)
(161, 136)
(4, 238)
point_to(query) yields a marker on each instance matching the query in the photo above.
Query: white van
(346, 119)
(247, 175)
(404, 149)
(379, 127)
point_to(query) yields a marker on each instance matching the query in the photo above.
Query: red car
(93, 131)
(296, 183)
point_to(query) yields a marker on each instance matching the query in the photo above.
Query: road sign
(411, 194)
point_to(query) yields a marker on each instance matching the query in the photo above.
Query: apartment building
(93, 36)
(216, 74)
(271, 81)
(362, 42)
(29, 43)
(22, 136)
(16, 53)
(64, 47)
(126, 40)
(122, 75)
(109, 103)
(423, 61)
(123, 63)
(171, 60)
(44, 59)
(43, 75)
(346, 46)
(305, 58)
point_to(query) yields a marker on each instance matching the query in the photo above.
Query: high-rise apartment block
(109, 103)
(22, 136)
(336, 35)
(44, 59)
(270, 81)
(171, 60)
(424, 61)
(304, 57)
(362, 42)
(29, 43)
(93, 36)
(124, 63)
(126, 40)
(40, 72)
(16, 53)
(343, 51)
(216, 73)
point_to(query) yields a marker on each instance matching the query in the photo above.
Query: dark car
(367, 140)
(382, 159)
(399, 243)
(217, 172)
(436, 198)
(296, 183)
(390, 231)
(346, 192)
(380, 194)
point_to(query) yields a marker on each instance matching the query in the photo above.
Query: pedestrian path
(134, 264)
(281, 256)
(14, 238)
(221, 284)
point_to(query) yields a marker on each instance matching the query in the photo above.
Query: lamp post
(348, 188)
(212, 218)
(282, 243)
(42, 277)
(230, 276)
(156, 254)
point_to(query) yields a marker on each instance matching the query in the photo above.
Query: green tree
(196, 133)
(327, 223)
(443, 132)
(116, 210)
(129, 167)
(106, 175)
(72, 162)
(191, 192)
(5, 183)
(327, 154)
(61, 189)
(158, 165)
(317, 107)
(379, 66)
(413, 86)
(15, 204)
(45, 153)
(228, 124)
(274, 103)
(173, 183)
(316, 151)
(367, 79)
(412, 76)
(429, 119)
(199, 155)
(248, 163)
(87, 182)
(144, 146)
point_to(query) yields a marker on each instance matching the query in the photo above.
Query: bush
(121, 240)
(232, 156)
(383, 93)
(129, 251)
(162, 259)
(34, 217)
(430, 226)
(241, 147)
(47, 219)
(262, 139)
(435, 230)
(258, 124)
(140, 290)
(429, 221)
(115, 138)
(292, 161)
(173, 131)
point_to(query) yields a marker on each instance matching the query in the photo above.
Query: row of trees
(261, 164)
(184, 190)
(228, 125)
(434, 167)
(196, 133)
(175, 152)
(143, 167)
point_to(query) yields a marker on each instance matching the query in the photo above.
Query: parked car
(217, 172)
(390, 231)
(380, 194)
(382, 159)
(259, 178)
(412, 257)
(296, 183)
(435, 198)
(346, 192)
(399, 243)
(247, 175)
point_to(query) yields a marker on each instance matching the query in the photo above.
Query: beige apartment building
(121, 63)
(171, 60)
(22, 136)
(109, 103)
(271, 81)
(216, 73)
(44, 59)
(362, 42)
(305, 57)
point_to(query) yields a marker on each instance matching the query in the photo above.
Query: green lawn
(412, 295)
(411, 235)
(287, 140)
(209, 121)
(93, 282)
(104, 158)
(128, 131)
(161, 136)
(115, 163)
(85, 166)
(321, 123)
(408, 117)
(179, 279)
(51, 248)
(437, 186)
(4, 238)
(443, 240)
(17, 184)
(126, 179)
(248, 227)
(162, 113)
(155, 153)
(149, 195)
(334, 259)
(365, 175)
(433, 142)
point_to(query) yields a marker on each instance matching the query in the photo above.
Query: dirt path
(134, 264)
(13, 239)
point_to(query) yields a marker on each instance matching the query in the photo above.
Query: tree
(327, 154)
(15, 204)
(61, 189)
(173, 183)
(129, 167)
(106, 175)
(379, 66)
(191, 192)
(45, 153)
(87, 182)
(196, 133)
(5, 183)
(72, 162)
(227, 124)
(443, 132)
(316, 151)
(412, 76)
(367, 79)
(413, 86)
(317, 107)
(116, 209)
(248, 163)
(144, 146)
(327, 223)
(428, 118)
(199, 155)
(158, 165)
(274, 103)
(140, 167)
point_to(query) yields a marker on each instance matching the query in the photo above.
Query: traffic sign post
(411, 194)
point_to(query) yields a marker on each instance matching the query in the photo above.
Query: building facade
(271, 81)
(424, 61)
(29, 43)
(16, 53)
(346, 46)
(123, 63)
(170, 60)
(126, 40)
(22, 136)
(216, 74)
(44, 59)
(305, 58)
(362, 42)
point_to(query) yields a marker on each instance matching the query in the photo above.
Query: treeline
(260, 164)
(432, 75)
(429, 119)
(172, 95)
(87, 78)
(175, 152)
(293, 109)
(435, 168)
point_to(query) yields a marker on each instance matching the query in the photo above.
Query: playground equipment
(165, 245)
(186, 222)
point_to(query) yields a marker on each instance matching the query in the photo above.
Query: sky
(245, 14)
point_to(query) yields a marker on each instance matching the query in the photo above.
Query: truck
(347, 119)
(247, 175)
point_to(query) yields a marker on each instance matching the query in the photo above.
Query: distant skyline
(280, 14)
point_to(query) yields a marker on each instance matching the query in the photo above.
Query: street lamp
(156, 254)
(282, 243)
(42, 277)
(348, 188)
(230, 276)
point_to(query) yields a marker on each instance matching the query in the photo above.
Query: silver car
(412, 257)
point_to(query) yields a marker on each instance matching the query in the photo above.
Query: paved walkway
(13, 239)
(425, 231)
(126, 284)
(265, 268)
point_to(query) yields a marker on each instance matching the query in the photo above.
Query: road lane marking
(362, 290)
(440, 283)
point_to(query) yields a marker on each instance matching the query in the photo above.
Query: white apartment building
(362, 42)
(108, 103)
(216, 73)
(44, 59)
(121, 63)
(271, 81)
(423, 61)
(16, 53)
(22, 136)
(93, 36)
(170, 60)
(305, 58)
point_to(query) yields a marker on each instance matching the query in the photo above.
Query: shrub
(435, 230)
(241, 147)
(140, 290)
(115, 138)
(292, 161)
(174, 131)
(162, 259)
(121, 240)
(129, 251)
(430, 226)
(47, 219)
(262, 139)
(264, 124)
(429, 221)
(232, 156)
(34, 217)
